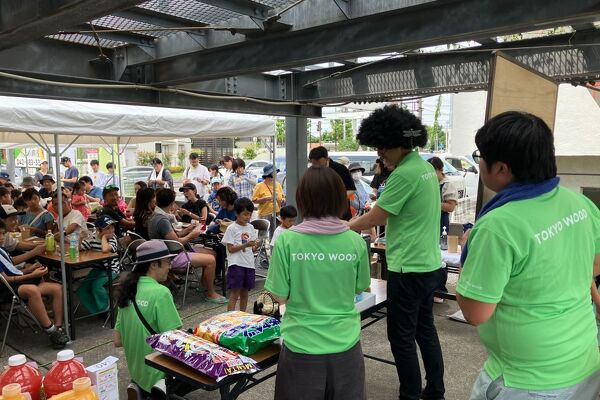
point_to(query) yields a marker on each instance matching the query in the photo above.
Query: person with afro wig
(410, 206)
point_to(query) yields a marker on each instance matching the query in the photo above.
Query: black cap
(7, 210)
(64, 160)
(47, 178)
(187, 186)
(109, 188)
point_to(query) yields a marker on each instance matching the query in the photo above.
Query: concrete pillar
(296, 154)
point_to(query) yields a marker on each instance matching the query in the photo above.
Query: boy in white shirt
(241, 240)
(287, 219)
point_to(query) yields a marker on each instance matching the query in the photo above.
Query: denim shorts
(487, 389)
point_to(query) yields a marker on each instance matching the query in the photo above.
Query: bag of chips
(202, 355)
(240, 331)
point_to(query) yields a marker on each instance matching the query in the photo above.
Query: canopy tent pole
(57, 155)
(119, 158)
(274, 181)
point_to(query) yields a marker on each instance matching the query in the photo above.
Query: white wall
(576, 130)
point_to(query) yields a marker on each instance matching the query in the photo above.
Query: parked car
(366, 159)
(451, 173)
(470, 170)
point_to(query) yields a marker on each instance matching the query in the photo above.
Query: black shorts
(6, 295)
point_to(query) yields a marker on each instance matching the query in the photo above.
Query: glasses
(476, 156)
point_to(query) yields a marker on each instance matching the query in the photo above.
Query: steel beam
(25, 20)
(11, 87)
(399, 29)
(565, 58)
(50, 56)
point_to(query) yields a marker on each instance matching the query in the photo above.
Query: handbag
(141, 317)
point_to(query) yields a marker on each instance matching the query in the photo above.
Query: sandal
(218, 300)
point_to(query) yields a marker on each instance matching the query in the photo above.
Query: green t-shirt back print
(412, 199)
(320, 275)
(534, 259)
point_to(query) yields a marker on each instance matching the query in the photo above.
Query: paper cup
(25, 232)
(452, 244)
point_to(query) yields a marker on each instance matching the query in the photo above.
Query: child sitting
(79, 201)
(27, 283)
(287, 219)
(240, 239)
(226, 197)
(92, 292)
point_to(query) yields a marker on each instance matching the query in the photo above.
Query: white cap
(65, 355)
(16, 360)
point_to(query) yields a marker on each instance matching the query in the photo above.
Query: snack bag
(240, 331)
(207, 357)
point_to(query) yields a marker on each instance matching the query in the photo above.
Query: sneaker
(159, 391)
(59, 339)
(134, 392)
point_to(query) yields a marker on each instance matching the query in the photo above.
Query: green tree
(435, 132)
(348, 144)
(145, 157)
(280, 131)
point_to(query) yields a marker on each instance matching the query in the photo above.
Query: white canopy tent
(140, 124)
(45, 122)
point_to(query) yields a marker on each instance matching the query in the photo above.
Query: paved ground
(463, 353)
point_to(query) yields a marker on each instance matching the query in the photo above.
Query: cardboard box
(105, 380)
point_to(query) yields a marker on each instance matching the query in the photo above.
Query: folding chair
(261, 259)
(128, 257)
(17, 305)
(175, 248)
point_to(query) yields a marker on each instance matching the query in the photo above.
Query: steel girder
(565, 58)
(394, 30)
(12, 87)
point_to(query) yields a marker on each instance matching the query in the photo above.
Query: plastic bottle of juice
(74, 246)
(12, 392)
(63, 373)
(82, 390)
(50, 243)
(25, 375)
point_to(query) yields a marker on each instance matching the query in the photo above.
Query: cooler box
(364, 300)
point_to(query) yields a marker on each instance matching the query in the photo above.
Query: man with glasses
(411, 207)
(527, 268)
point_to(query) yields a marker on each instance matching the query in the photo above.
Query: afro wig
(390, 127)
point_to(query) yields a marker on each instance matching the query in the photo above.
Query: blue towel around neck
(512, 192)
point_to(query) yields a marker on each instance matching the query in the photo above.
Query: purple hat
(152, 250)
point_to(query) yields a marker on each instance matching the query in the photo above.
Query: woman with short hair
(317, 268)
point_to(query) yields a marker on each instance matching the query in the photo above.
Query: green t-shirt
(534, 259)
(320, 275)
(156, 305)
(412, 199)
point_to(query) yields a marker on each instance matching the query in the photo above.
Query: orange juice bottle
(12, 391)
(82, 390)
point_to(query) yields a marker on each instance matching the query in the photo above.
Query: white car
(452, 174)
(469, 169)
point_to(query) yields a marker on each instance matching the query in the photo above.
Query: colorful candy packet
(202, 355)
(240, 331)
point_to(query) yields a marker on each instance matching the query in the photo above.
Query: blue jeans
(487, 389)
